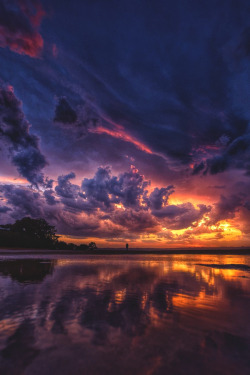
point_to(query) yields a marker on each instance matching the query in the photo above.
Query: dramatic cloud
(64, 112)
(64, 188)
(182, 215)
(71, 196)
(26, 202)
(81, 121)
(236, 155)
(163, 87)
(14, 131)
(136, 221)
(50, 198)
(104, 191)
(159, 197)
(128, 189)
(110, 206)
(227, 207)
(123, 207)
(19, 25)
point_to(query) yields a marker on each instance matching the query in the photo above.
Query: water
(141, 314)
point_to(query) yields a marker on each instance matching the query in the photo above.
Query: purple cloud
(14, 130)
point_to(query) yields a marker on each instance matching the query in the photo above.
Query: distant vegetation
(36, 233)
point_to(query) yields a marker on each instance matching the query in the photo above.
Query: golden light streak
(12, 180)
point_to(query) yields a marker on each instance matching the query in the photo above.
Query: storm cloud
(236, 155)
(108, 205)
(64, 113)
(163, 87)
(80, 121)
(23, 147)
(182, 215)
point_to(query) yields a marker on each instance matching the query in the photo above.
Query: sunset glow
(124, 187)
(138, 137)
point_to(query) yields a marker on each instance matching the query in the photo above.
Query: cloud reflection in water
(138, 315)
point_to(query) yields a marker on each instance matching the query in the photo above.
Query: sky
(127, 121)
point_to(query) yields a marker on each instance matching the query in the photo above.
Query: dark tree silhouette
(37, 228)
(36, 233)
(92, 246)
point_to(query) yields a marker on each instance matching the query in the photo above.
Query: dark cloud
(181, 216)
(72, 197)
(116, 207)
(127, 189)
(4, 209)
(50, 198)
(177, 96)
(130, 187)
(29, 163)
(19, 26)
(106, 205)
(165, 87)
(64, 113)
(64, 187)
(198, 168)
(23, 146)
(236, 155)
(24, 201)
(28, 202)
(173, 84)
(218, 164)
(159, 197)
(227, 207)
(97, 189)
(136, 221)
(95, 200)
(104, 190)
(81, 121)
(247, 205)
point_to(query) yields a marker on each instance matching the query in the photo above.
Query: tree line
(38, 234)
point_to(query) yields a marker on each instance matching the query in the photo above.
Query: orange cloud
(121, 134)
(19, 28)
(12, 180)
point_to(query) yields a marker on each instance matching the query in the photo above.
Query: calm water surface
(141, 314)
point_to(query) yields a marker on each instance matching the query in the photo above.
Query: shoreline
(135, 251)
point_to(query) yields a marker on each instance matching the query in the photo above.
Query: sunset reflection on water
(135, 314)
